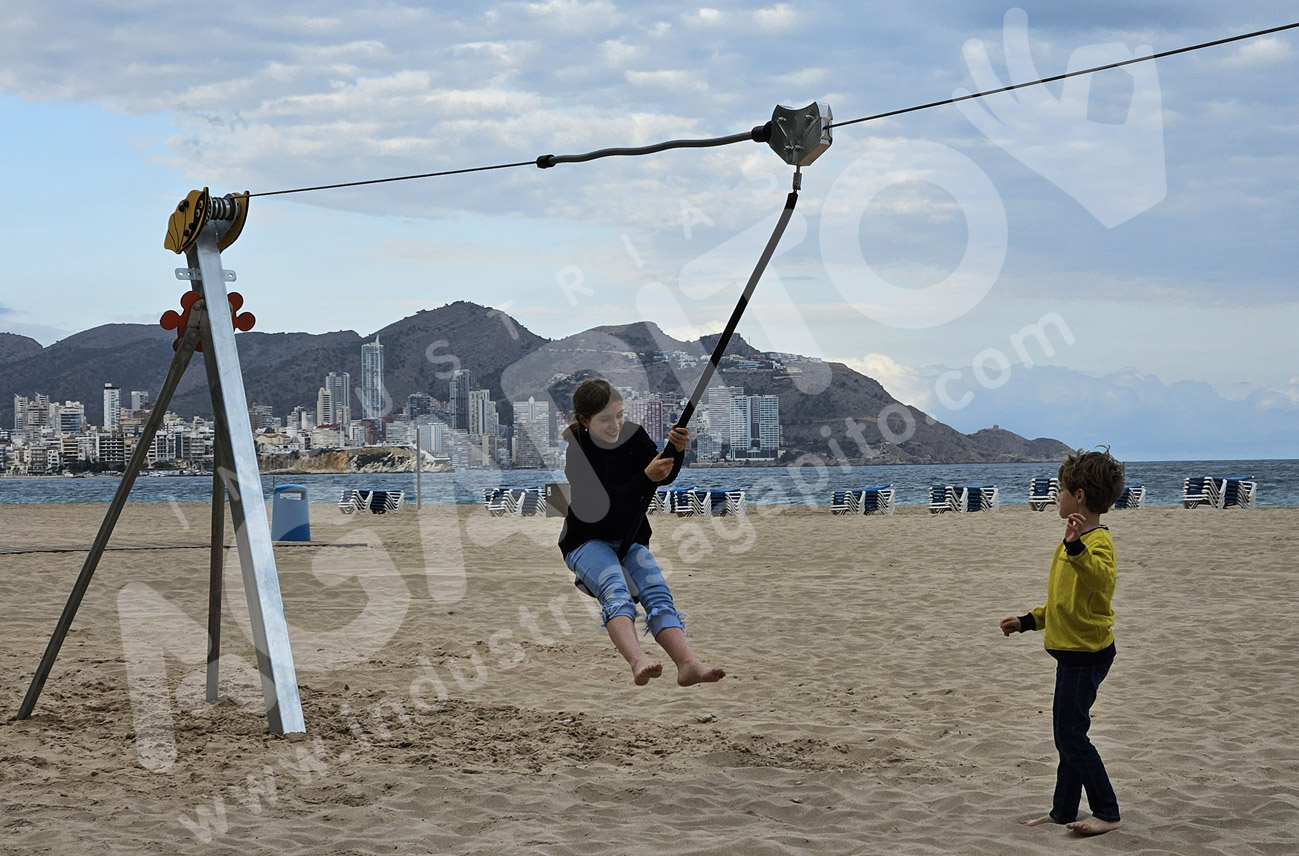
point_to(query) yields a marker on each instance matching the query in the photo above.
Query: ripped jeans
(596, 565)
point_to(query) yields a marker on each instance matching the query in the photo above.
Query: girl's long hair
(590, 397)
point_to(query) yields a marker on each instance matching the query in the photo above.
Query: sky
(1131, 231)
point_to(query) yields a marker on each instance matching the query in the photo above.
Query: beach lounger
(984, 497)
(385, 501)
(1201, 490)
(877, 499)
(1238, 492)
(688, 502)
(845, 502)
(349, 502)
(1043, 492)
(700, 506)
(724, 502)
(735, 504)
(495, 501)
(946, 497)
(517, 501)
(1133, 496)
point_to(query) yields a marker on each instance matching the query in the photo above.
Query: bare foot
(644, 669)
(1094, 826)
(1038, 821)
(695, 672)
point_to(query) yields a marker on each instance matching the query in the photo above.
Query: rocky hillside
(826, 408)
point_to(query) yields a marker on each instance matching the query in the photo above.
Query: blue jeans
(1080, 764)
(596, 565)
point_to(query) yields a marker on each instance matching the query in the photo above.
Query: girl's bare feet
(694, 672)
(1038, 821)
(644, 669)
(1094, 826)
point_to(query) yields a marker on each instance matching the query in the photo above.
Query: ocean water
(1278, 482)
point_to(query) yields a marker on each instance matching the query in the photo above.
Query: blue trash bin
(290, 518)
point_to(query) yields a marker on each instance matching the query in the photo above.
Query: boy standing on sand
(1078, 623)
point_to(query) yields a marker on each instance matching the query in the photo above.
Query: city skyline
(1145, 210)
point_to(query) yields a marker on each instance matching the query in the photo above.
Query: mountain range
(826, 409)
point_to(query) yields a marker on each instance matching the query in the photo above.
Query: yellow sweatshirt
(1077, 615)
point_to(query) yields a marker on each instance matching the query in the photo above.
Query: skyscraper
(531, 432)
(339, 412)
(461, 383)
(372, 392)
(755, 427)
(482, 412)
(112, 407)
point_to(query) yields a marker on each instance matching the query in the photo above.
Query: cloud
(1267, 50)
(1285, 398)
(780, 17)
(904, 383)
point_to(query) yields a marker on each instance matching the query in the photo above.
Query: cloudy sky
(1137, 223)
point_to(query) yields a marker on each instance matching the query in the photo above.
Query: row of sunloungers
(697, 502)
(1214, 492)
(963, 498)
(1044, 492)
(878, 499)
(552, 501)
(515, 501)
(377, 501)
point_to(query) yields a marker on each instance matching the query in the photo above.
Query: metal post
(216, 561)
(419, 460)
(243, 484)
(179, 362)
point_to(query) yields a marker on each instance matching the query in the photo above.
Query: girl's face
(607, 424)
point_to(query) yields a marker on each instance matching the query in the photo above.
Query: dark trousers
(1080, 764)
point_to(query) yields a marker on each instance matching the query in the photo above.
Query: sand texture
(461, 698)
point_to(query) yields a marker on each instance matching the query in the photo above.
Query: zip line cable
(761, 133)
(1056, 77)
(394, 178)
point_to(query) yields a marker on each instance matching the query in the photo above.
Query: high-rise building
(324, 406)
(755, 427)
(340, 384)
(419, 404)
(432, 437)
(72, 416)
(112, 407)
(372, 391)
(461, 383)
(483, 418)
(648, 413)
(261, 417)
(139, 398)
(20, 412)
(531, 432)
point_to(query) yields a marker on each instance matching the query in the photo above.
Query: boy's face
(1071, 502)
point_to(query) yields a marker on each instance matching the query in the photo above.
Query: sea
(810, 484)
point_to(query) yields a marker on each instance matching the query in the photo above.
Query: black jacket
(608, 488)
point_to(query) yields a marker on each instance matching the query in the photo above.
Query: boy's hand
(1010, 625)
(1073, 525)
(679, 437)
(659, 468)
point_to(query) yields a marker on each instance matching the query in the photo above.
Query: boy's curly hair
(1098, 474)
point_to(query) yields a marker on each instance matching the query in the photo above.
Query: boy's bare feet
(644, 669)
(1038, 821)
(1094, 826)
(695, 672)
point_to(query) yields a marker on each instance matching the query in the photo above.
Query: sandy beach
(461, 698)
